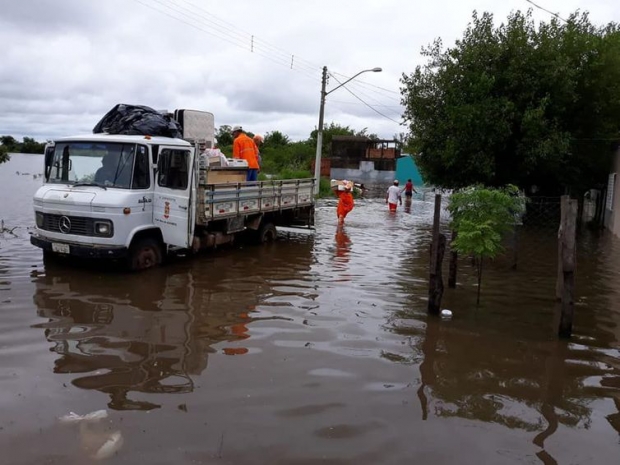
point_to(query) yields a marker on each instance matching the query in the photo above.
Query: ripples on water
(314, 347)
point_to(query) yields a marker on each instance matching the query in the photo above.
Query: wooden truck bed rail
(226, 200)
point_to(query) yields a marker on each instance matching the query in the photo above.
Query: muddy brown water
(315, 349)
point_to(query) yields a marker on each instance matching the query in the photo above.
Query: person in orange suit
(345, 201)
(245, 148)
(258, 140)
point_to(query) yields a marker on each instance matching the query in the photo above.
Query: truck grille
(79, 225)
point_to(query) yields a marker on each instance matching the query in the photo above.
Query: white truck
(137, 198)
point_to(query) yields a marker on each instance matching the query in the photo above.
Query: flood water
(314, 349)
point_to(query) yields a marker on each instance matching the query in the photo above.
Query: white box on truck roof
(197, 125)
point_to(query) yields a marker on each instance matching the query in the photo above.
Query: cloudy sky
(65, 63)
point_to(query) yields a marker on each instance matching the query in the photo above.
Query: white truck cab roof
(151, 140)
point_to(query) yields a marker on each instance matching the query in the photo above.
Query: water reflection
(150, 333)
(408, 202)
(533, 386)
(506, 366)
(125, 334)
(343, 244)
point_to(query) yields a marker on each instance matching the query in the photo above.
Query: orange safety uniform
(345, 203)
(245, 148)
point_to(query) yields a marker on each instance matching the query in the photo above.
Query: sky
(65, 63)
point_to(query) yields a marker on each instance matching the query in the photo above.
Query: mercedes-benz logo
(64, 225)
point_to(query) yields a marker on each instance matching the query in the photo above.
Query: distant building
(374, 163)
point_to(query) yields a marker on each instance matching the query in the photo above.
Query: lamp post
(319, 135)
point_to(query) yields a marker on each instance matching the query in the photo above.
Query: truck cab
(116, 196)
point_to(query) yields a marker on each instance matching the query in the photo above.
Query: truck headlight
(103, 228)
(38, 218)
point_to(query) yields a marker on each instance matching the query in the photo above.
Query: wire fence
(533, 241)
(531, 244)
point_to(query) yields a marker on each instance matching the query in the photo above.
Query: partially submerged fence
(545, 232)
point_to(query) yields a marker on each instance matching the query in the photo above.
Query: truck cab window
(173, 169)
(141, 171)
(116, 166)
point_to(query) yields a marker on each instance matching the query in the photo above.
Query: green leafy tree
(223, 136)
(4, 154)
(276, 139)
(10, 143)
(520, 103)
(31, 146)
(329, 131)
(481, 216)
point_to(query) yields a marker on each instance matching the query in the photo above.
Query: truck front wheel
(145, 253)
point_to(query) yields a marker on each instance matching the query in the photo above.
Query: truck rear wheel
(145, 253)
(266, 233)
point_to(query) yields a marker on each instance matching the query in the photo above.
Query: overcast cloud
(65, 63)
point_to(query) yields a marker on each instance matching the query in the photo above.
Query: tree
(517, 104)
(4, 154)
(9, 142)
(223, 136)
(32, 146)
(276, 139)
(480, 217)
(330, 131)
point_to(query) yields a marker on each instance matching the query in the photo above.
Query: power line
(230, 33)
(377, 103)
(364, 83)
(546, 11)
(369, 106)
(238, 41)
(260, 42)
(357, 103)
(254, 42)
(235, 41)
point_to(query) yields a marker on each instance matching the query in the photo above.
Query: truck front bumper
(79, 250)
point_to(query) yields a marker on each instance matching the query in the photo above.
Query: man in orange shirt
(245, 148)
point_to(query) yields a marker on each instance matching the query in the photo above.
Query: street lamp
(319, 135)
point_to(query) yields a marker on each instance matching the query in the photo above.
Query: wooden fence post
(569, 258)
(438, 248)
(560, 278)
(454, 256)
(515, 246)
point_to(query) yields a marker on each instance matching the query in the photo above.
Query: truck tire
(266, 233)
(145, 253)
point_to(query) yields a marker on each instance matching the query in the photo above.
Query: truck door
(173, 199)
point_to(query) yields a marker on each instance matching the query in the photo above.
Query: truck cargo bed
(225, 200)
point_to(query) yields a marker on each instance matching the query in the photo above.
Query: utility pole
(319, 134)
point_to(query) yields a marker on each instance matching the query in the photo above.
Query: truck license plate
(60, 248)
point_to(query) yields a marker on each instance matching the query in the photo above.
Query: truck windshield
(94, 163)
